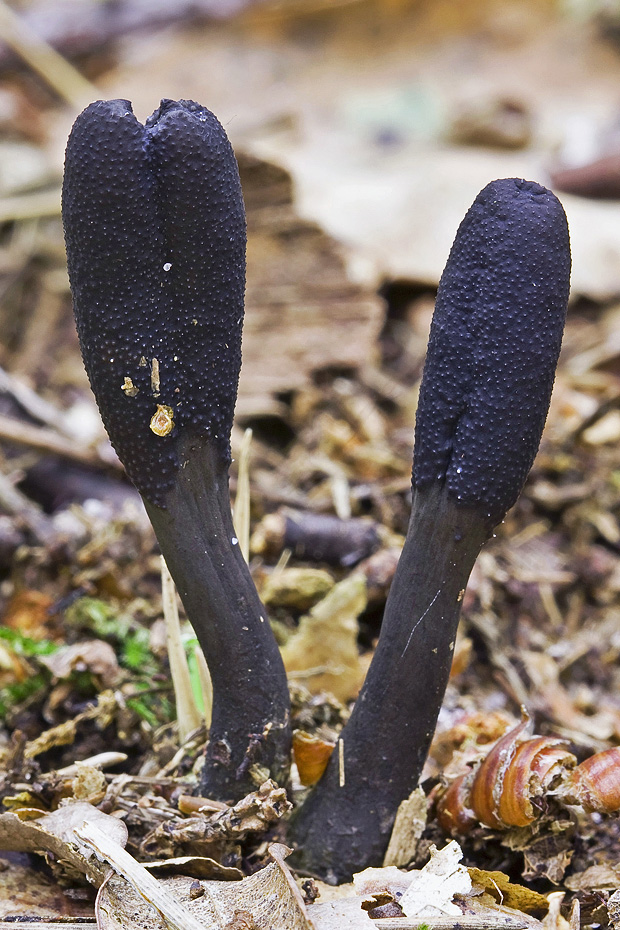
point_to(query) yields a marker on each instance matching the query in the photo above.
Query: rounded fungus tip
(493, 347)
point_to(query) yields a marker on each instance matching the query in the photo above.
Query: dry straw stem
(188, 715)
(206, 684)
(170, 910)
(55, 70)
(241, 513)
(30, 206)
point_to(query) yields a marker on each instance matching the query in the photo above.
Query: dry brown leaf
(55, 833)
(93, 655)
(270, 898)
(323, 654)
(28, 891)
(407, 830)
(209, 834)
(195, 867)
(29, 613)
(299, 588)
(602, 877)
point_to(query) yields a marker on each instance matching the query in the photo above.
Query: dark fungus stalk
(492, 353)
(155, 234)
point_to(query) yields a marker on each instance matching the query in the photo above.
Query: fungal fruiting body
(493, 348)
(136, 198)
(155, 234)
(492, 353)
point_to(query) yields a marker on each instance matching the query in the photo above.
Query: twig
(153, 892)
(101, 760)
(46, 440)
(59, 74)
(33, 403)
(30, 206)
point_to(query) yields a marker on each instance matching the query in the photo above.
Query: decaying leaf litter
(84, 668)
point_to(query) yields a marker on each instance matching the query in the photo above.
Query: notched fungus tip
(167, 195)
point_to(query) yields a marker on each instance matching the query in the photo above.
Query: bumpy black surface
(155, 235)
(493, 348)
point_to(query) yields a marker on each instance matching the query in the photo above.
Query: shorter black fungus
(493, 347)
(492, 354)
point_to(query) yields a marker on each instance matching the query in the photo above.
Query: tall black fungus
(492, 354)
(155, 234)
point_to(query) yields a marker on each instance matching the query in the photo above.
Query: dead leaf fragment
(89, 784)
(602, 877)
(508, 893)
(28, 613)
(432, 889)
(613, 910)
(323, 653)
(311, 754)
(93, 655)
(195, 867)
(387, 879)
(267, 900)
(407, 830)
(55, 833)
(299, 588)
(206, 835)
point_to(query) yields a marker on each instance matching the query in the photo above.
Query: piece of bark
(303, 313)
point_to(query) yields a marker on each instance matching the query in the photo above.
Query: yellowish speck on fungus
(155, 377)
(162, 422)
(129, 387)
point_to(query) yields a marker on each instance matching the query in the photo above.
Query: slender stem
(346, 823)
(250, 722)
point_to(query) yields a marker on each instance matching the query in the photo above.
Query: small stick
(102, 760)
(47, 440)
(34, 405)
(30, 206)
(58, 73)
